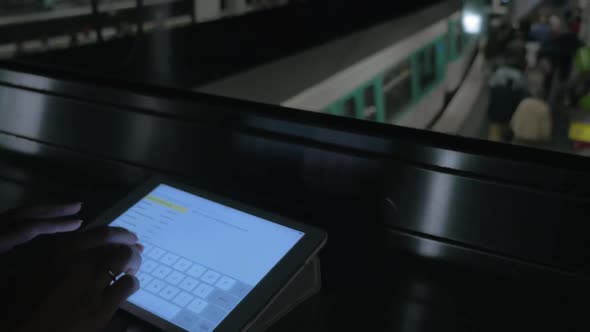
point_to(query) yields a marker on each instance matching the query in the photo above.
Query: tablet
(210, 263)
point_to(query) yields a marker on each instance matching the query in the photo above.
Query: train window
(370, 105)
(397, 87)
(348, 108)
(393, 75)
(449, 47)
(459, 37)
(427, 64)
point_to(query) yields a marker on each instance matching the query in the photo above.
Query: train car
(402, 72)
(28, 13)
(429, 67)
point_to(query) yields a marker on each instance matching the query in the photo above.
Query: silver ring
(111, 274)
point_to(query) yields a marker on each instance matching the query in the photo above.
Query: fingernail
(79, 222)
(140, 247)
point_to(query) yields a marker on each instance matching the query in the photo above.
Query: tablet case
(306, 284)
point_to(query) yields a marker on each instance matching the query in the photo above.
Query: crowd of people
(539, 69)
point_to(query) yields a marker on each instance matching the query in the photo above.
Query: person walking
(532, 123)
(504, 99)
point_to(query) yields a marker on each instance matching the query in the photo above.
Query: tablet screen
(201, 258)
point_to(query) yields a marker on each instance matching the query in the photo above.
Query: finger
(100, 237)
(125, 259)
(140, 247)
(44, 211)
(30, 230)
(119, 259)
(116, 294)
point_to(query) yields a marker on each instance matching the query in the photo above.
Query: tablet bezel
(263, 293)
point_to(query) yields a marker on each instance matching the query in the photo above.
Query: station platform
(563, 112)
(439, 264)
(477, 123)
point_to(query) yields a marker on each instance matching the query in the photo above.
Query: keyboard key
(186, 319)
(203, 326)
(175, 278)
(197, 306)
(156, 253)
(148, 266)
(223, 299)
(196, 271)
(169, 292)
(210, 277)
(182, 265)
(225, 283)
(240, 290)
(188, 284)
(162, 271)
(155, 286)
(144, 279)
(169, 259)
(214, 313)
(203, 290)
(183, 299)
(154, 304)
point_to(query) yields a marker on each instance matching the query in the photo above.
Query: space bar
(154, 304)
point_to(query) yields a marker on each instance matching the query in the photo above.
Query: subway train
(404, 72)
(409, 71)
(409, 80)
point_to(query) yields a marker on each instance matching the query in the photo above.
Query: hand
(33, 269)
(87, 298)
(20, 226)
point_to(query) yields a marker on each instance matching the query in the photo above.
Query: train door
(373, 104)
(349, 108)
(370, 106)
(426, 69)
(397, 91)
(456, 39)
